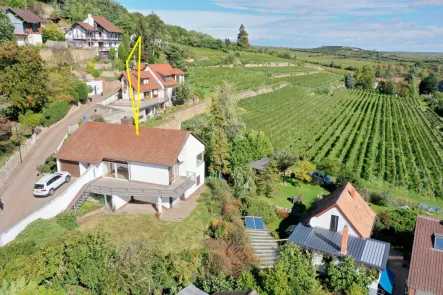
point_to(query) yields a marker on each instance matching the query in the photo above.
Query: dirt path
(17, 193)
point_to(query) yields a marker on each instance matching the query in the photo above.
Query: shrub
(82, 90)
(67, 219)
(380, 199)
(256, 206)
(98, 118)
(55, 111)
(50, 165)
(282, 214)
(30, 119)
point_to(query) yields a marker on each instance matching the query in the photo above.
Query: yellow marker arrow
(135, 106)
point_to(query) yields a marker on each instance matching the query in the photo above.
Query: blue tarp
(387, 279)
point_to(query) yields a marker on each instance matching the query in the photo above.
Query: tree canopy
(6, 28)
(242, 38)
(429, 84)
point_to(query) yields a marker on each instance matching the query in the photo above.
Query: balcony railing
(96, 38)
(144, 104)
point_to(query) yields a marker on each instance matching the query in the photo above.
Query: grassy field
(6, 150)
(381, 138)
(89, 206)
(314, 80)
(210, 57)
(173, 236)
(41, 231)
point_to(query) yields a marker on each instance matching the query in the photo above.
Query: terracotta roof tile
(162, 71)
(143, 75)
(86, 26)
(27, 15)
(353, 207)
(94, 141)
(106, 24)
(426, 270)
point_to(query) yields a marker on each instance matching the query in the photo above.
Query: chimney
(344, 240)
(90, 20)
(353, 192)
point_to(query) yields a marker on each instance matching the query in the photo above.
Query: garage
(71, 167)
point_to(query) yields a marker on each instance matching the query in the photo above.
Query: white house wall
(117, 202)
(97, 86)
(324, 221)
(35, 38)
(83, 167)
(150, 173)
(188, 156)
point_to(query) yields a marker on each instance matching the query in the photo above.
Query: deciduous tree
(429, 84)
(350, 81)
(284, 159)
(51, 32)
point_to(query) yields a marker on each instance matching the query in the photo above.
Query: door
(198, 180)
(334, 223)
(58, 180)
(71, 167)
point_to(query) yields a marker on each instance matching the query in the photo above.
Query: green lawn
(171, 236)
(286, 191)
(41, 231)
(89, 206)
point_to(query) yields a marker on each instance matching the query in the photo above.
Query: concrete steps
(265, 247)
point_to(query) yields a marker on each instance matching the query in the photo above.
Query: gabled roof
(242, 292)
(106, 24)
(426, 270)
(86, 26)
(94, 141)
(260, 164)
(353, 207)
(143, 75)
(26, 15)
(370, 252)
(164, 70)
(191, 290)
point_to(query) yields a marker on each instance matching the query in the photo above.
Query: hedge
(55, 111)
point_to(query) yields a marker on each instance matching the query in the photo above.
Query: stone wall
(78, 55)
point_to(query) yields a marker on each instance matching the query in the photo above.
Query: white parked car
(49, 183)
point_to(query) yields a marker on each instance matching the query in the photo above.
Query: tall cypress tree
(242, 38)
(218, 147)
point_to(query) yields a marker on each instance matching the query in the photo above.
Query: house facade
(95, 32)
(27, 26)
(157, 84)
(426, 269)
(341, 224)
(159, 166)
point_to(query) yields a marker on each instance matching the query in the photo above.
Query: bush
(98, 118)
(50, 165)
(380, 199)
(67, 219)
(256, 206)
(55, 111)
(82, 90)
(30, 119)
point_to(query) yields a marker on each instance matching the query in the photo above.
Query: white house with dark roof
(341, 224)
(27, 26)
(95, 32)
(158, 166)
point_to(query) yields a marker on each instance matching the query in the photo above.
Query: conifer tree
(242, 38)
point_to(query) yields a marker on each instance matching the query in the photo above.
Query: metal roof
(191, 290)
(370, 252)
(260, 164)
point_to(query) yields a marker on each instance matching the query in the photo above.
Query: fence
(50, 210)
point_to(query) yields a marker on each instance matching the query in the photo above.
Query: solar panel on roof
(249, 221)
(438, 243)
(259, 223)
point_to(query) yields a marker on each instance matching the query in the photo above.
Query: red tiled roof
(426, 270)
(164, 70)
(347, 199)
(143, 75)
(94, 141)
(27, 15)
(106, 24)
(86, 26)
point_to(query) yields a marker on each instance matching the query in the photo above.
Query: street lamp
(19, 143)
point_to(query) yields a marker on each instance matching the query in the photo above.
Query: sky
(390, 25)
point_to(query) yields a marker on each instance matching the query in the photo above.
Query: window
(145, 81)
(334, 223)
(438, 242)
(199, 159)
(168, 79)
(34, 27)
(155, 93)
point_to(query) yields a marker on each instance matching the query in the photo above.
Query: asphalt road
(17, 196)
